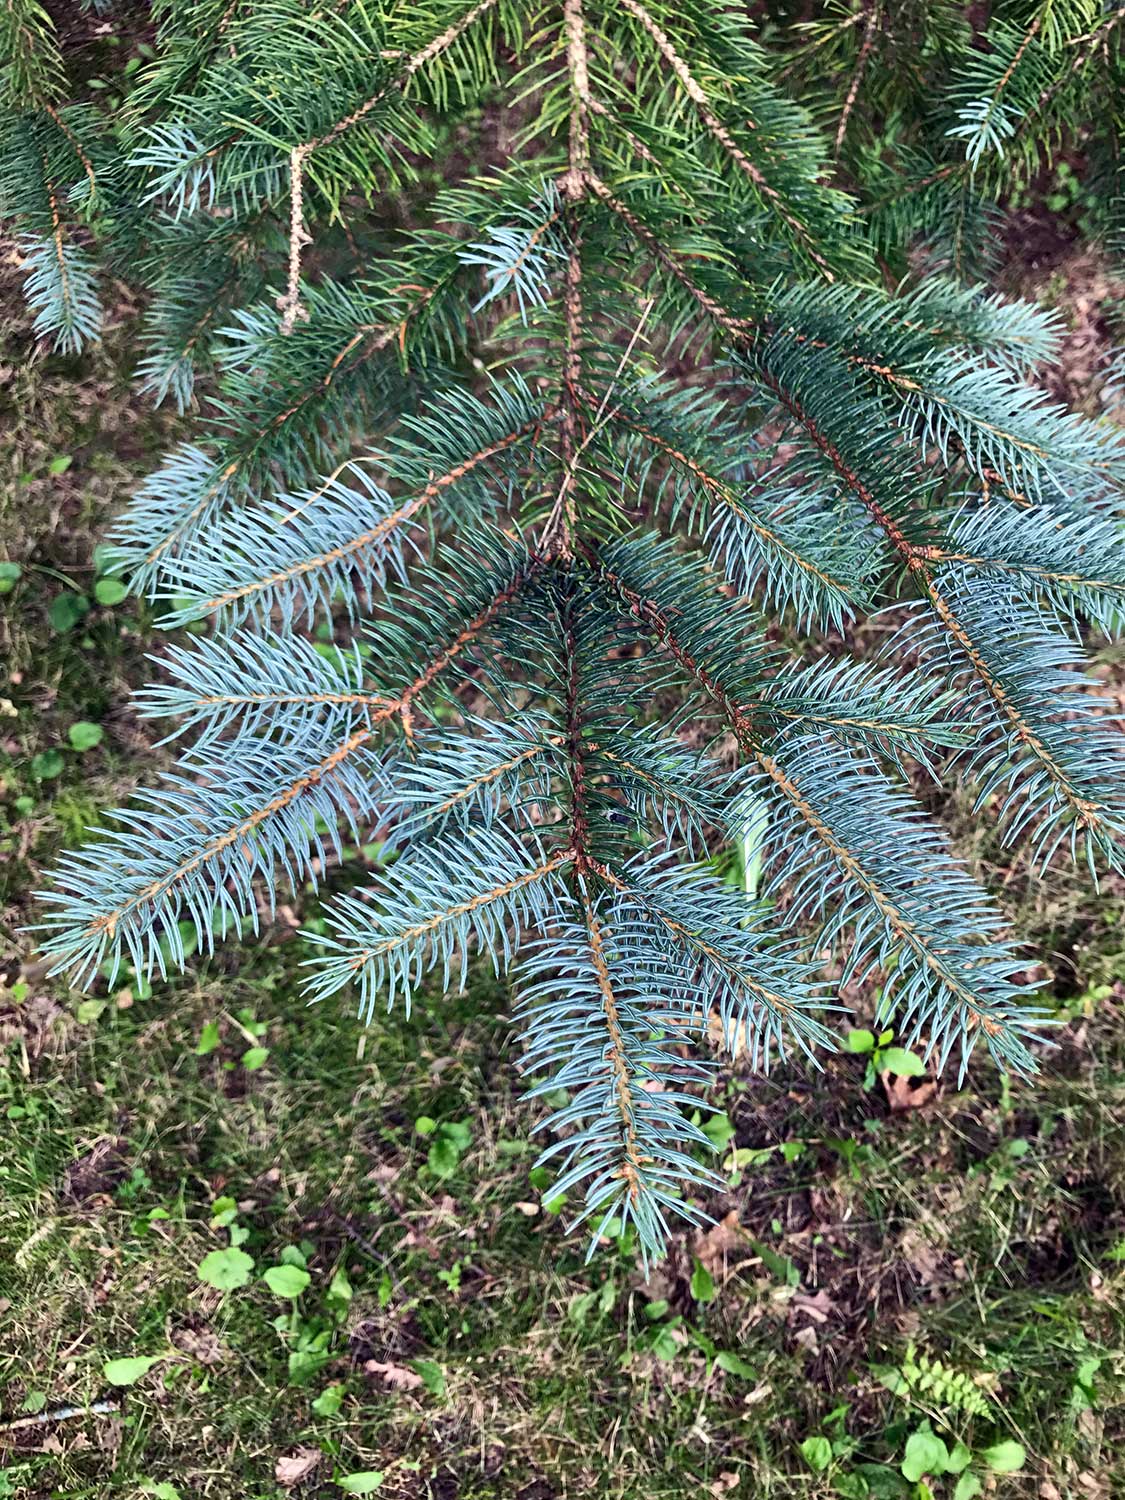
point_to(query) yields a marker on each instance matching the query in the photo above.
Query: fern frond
(930, 1380)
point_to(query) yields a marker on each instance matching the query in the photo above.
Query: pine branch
(597, 1027)
(259, 686)
(871, 24)
(757, 541)
(506, 770)
(416, 63)
(718, 130)
(182, 501)
(346, 535)
(126, 894)
(711, 949)
(970, 1004)
(387, 944)
(1089, 814)
(599, 473)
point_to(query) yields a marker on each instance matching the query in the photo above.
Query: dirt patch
(93, 1177)
(1050, 265)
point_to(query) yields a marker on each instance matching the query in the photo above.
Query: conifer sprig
(589, 473)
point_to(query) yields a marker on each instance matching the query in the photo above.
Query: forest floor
(325, 1256)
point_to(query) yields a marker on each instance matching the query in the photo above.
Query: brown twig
(76, 147)
(736, 327)
(857, 76)
(290, 303)
(558, 533)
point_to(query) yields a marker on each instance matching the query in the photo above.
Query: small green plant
(85, 736)
(928, 1458)
(110, 591)
(1001, 1167)
(286, 1280)
(47, 765)
(209, 1038)
(226, 1270)
(229, 1269)
(10, 1477)
(66, 610)
(449, 1140)
(541, 1180)
(702, 1284)
(365, 1482)
(329, 1402)
(308, 1332)
(927, 1465)
(717, 1128)
(451, 1278)
(882, 1057)
(129, 1369)
(754, 1158)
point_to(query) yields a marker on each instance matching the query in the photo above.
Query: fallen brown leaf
(819, 1307)
(199, 1344)
(729, 1040)
(923, 1259)
(295, 1466)
(901, 1096)
(714, 1246)
(396, 1376)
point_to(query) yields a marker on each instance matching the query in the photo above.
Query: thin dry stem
(290, 303)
